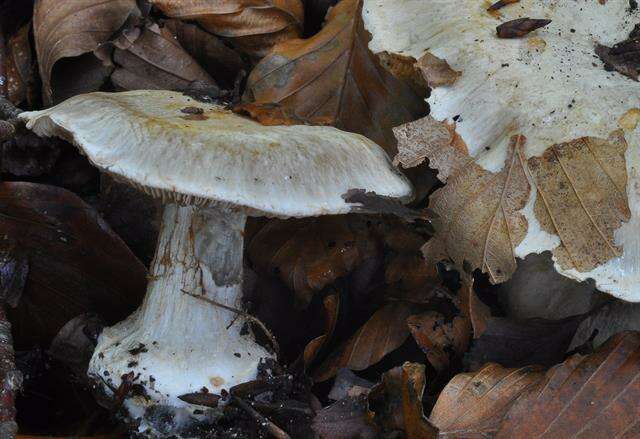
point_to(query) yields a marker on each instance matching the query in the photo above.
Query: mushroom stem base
(176, 344)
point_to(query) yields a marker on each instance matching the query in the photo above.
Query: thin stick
(272, 428)
(244, 314)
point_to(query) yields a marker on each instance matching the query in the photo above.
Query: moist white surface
(145, 137)
(549, 86)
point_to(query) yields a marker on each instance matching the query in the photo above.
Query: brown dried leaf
(73, 29)
(253, 26)
(623, 57)
(501, 4)
(520, 27)
(314, 347)
(440, 340)
(472, 404)
(582, 198)
(309, 254)
(405, 69)
(436, 72)
(345, 419)
(370, 202)
(149, 57)
(334, 78)
(397, 402)
(20, 67)
(480, 224)
(219, 61)
(384, 332)
(585, 397)
(76, 263)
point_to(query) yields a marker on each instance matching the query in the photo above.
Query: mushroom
(578, 114)
(212, 168)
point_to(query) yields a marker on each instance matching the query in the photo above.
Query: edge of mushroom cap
(43, 124)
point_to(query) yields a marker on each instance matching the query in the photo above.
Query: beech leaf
(333, 78)
(384, 332)
(74, 29)
(254, 26)
(76, 263)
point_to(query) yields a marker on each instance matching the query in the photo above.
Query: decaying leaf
(150, 58)
(20, 67)
(397, 402)
(384, 332)
(313, 348)
(480, 225)
(582, 188)
(405, 69)
(614, 317)
(440, 340)
(370, 202)
(66, 33)
(333, 78)
(436, 72)
(516, 87)
(309, 254)
(472, 405)
(584, 397)
(218, 60)
(623, 57)
(76, 263)
(253, 26)
(345, 419)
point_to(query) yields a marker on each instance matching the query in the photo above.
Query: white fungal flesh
(177, 344)
(150, 139)
(549, 86)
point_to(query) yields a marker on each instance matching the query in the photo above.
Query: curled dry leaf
(315, 346)
(149, 57)
(384, 332)
(520, 27)
(436, 72)
(440, 340)
(333, 78)
(397, 402)
(20, 67)
(76, 263)
(218, 60)
(309, 254)
(253, 26)
(569, 109)
(66, 33)
(584, 397)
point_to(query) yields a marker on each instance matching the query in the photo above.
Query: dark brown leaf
(314, 347)
(345, 419)
(501, 4)
(370, 202)
(384, 332)
(76, 263)
(397, 402)
(219, 61)
(309, 254)
(623, 57)
(520, 27)
(441, 340)
(334, 78)
(66, 33)
(405, 69)
(20, 68)
(150, 57)
(252, 26)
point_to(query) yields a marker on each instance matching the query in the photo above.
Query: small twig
(244, 314)
(272, 428)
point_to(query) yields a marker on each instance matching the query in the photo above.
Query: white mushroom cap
(548, 85)
(217, 156)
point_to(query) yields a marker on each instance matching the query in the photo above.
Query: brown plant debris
(436, 72)
(623, 57)
(582, 198)
(520, 27)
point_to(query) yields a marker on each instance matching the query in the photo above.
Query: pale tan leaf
(70, 29)
(254, 26)
(480, 225)
(582, 187)
(436, 72)
(384, 332)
